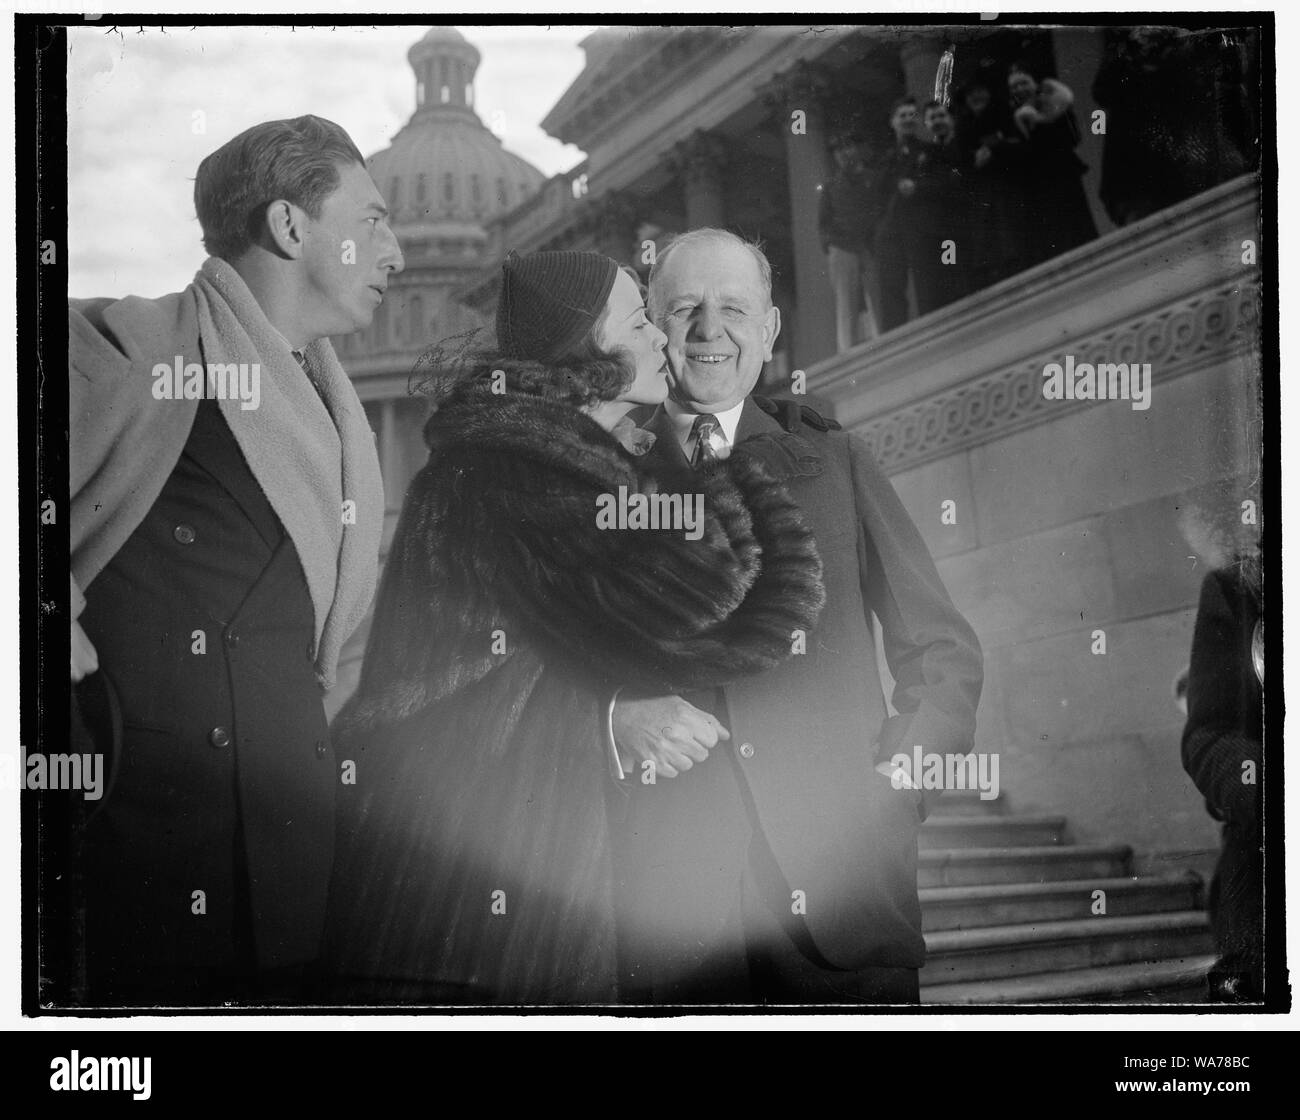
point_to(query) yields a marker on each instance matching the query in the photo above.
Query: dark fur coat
(474, 860)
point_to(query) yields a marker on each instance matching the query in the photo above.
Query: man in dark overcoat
(226, 512)
(773, 858)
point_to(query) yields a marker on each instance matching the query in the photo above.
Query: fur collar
(499, 533)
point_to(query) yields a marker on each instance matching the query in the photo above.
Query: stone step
(1177, 980)
(989, 831)
(967, 803)
(961, 867)
(999, 904)
(997, 952)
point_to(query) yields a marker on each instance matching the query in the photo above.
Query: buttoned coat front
(808, 733)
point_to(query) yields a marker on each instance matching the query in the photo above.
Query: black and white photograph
(650, 519)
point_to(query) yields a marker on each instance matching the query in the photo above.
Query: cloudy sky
(132, 100)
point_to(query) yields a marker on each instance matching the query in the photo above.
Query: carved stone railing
(1173, 290)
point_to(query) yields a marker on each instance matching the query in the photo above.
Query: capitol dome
(445, 170)
(443, 177)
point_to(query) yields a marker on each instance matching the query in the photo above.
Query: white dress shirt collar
(684, 420)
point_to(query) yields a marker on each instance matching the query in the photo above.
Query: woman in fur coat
(474, 862)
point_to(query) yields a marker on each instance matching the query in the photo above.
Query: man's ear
(286, 227)
(771, 328)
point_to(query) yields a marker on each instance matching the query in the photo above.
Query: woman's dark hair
(584, 376)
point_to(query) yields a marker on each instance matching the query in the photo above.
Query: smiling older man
(778, 865)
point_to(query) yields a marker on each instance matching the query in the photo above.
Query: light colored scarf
(310, 449)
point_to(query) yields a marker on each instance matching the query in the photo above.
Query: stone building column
(389, 452)
(811, 321)
(1079, 53)
(615, 219)
(701, 162)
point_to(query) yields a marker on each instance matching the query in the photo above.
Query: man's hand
(666, 731)
(84, 658)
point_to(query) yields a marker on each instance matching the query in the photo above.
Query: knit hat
(549, 301)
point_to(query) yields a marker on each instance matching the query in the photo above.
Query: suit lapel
(667, 449)
(755, 422)
(213, 446)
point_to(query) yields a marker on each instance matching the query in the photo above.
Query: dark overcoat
(1223, 753)
(210, 852)
(807, 734)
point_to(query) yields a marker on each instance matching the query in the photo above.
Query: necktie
(705, 429)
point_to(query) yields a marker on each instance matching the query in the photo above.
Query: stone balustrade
(1055, 522)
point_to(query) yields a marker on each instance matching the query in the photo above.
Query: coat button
(320, 748)
(184, 534)
(746, 750)
(219, 737)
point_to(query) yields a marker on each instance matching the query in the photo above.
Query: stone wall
(1073, 517)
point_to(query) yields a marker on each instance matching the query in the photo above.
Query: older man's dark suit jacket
(806, 735)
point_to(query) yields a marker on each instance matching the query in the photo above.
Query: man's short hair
(707, 233)
(934, 105)
(297, 160)
(902, 102)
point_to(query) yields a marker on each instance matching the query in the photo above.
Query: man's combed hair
(297, 160)
(705, 234)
